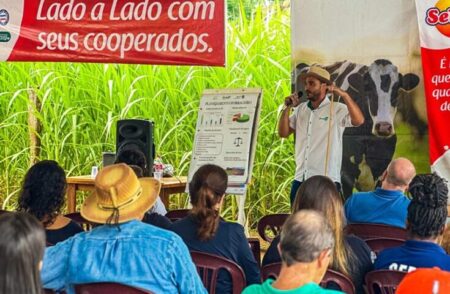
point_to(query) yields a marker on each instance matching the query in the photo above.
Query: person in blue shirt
(427, 215)
(124, 250)
(305, 248)
(386, 205)
(203, 230)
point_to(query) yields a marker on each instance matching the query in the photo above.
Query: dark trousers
(296, 184)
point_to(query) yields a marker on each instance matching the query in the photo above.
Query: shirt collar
(306, 288)
(324, 102)
(424, 245)
(389, 192)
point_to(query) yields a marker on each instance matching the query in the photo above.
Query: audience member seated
(137, 158)
(203, 230)
(427, 215)
(151, 217)
(425, 280)
(43, 195)
(351, 255)
(306, 243)
(386, 205)
(21, 251)
(123, 250)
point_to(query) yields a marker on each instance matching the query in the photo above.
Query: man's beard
(312, 97)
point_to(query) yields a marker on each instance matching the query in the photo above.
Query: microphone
(289, 102)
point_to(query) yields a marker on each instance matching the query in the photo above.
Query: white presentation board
(226, 134)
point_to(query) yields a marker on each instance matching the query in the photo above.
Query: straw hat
(425, 280)
(119, 195)
(317, 72)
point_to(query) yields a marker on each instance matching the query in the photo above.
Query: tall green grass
(82, 102)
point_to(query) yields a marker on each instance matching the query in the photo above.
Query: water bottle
(94, 171)
(158, 171)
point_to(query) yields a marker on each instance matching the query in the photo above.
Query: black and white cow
(369, 148)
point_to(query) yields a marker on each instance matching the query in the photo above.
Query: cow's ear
(409, 81)
(356, 81)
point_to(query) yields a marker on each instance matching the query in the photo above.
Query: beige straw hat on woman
(119, 196)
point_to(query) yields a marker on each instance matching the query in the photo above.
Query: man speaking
(319, 124)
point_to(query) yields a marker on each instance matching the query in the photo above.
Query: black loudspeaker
(136, 134)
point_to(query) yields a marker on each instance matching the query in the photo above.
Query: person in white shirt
(319, 124)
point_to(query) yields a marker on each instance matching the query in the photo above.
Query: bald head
(399, 173)
(304, 236)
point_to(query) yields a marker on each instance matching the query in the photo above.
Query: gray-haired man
(305, 249)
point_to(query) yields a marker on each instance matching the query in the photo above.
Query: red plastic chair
(379, 244)
(370, 231)
(4, 211)
(177, 214)
(271, 271)
(341, 280)
(208, 267)
(269, 226)
(383, 281)
(256, 249)
(84, 223)
(108, 288)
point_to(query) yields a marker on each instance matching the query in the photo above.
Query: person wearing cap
(123, 250)
(426, 223)
(425, 280)
(318, 125)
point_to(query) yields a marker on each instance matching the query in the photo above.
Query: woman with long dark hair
(43, 195)
(21, 251)
(204, 230)
(351, 255)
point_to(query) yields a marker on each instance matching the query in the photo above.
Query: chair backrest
(177, 214)
(269, 226)
(383, 281)
(110, 288)
(271, 271)
(4, 211)
(341, 280)
(84, 223)
(208, 267)
(379, 244)
(255, 247)
(370, 231)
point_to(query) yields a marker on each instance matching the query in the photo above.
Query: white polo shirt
(311, 135)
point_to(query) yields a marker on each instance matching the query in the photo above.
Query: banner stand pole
(241, 211)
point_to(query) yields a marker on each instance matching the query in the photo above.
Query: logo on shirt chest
(324, 118)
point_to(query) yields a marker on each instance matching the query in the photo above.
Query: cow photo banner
(434, 27)
(372, 51)
(184, 32)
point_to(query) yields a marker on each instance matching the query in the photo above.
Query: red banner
(434, 28)
(113, 31)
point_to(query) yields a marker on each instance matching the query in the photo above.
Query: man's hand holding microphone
(292, 100)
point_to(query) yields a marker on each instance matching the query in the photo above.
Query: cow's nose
(383, 129)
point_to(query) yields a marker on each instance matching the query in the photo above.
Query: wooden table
(169, 186)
